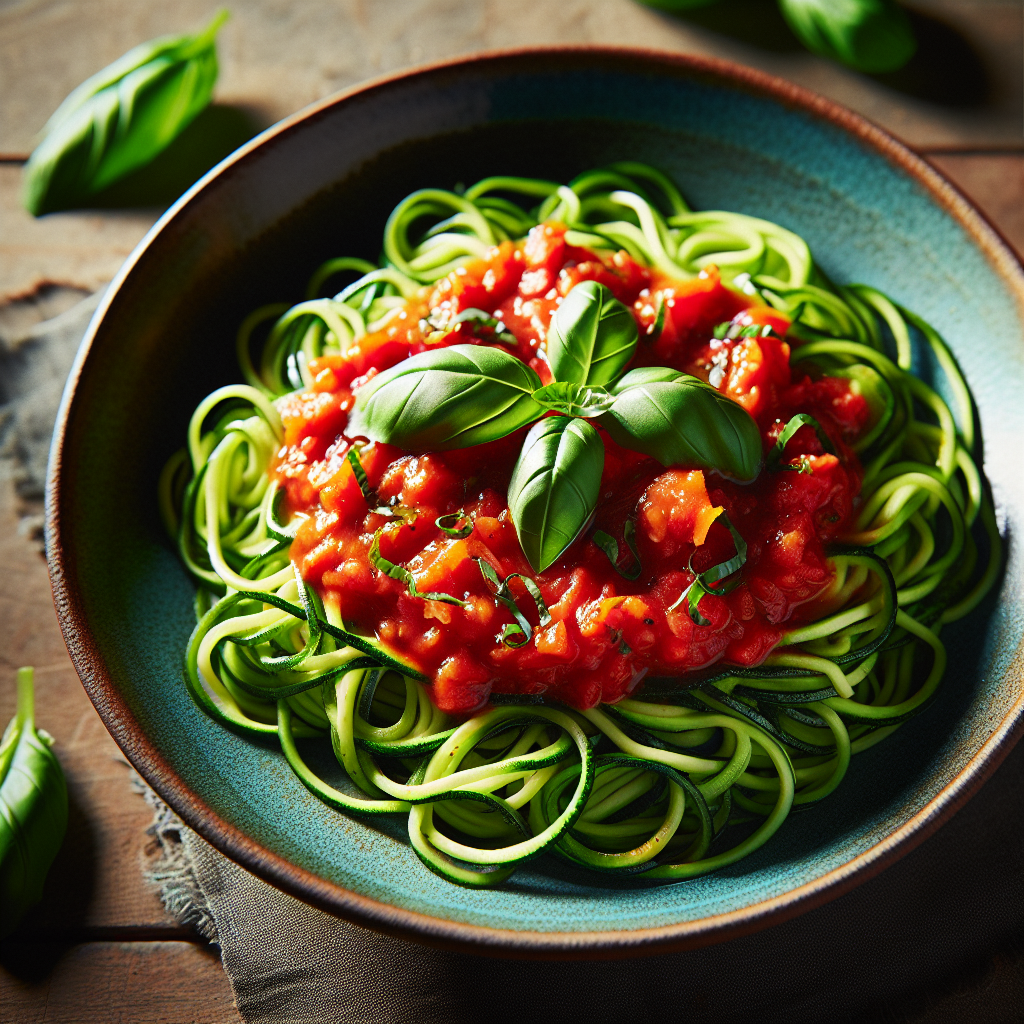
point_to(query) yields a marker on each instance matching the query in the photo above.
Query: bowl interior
(323, 186)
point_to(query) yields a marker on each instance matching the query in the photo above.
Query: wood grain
(963, 88)
(82, 249)
(995, 182)
(115, 983)
(96, 883)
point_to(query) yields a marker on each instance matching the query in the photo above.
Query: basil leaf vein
(574, 399)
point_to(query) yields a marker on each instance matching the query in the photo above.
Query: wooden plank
(995, 182)
(96, 881)
(83, 249)
(962, 88)
(114, 983)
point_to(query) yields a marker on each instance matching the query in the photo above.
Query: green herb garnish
(519, 633)
(33, 809)
(465, 395)
(121, 118)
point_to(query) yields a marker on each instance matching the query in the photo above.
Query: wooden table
(100, 948)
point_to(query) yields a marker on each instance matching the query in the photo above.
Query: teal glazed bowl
(321, 184)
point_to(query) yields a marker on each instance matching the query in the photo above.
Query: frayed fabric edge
(171, 870)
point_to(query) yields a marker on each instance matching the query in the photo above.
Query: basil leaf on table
(681, 421)
(573, 399)
(447, 398)
(869, 35)
(121, 118)
(554, 486)
(592, 336)
(33, 809)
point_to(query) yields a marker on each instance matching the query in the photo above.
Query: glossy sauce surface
(606, 632)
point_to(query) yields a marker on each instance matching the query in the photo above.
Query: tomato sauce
(606, 632)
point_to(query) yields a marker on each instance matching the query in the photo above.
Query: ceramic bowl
(321, 184)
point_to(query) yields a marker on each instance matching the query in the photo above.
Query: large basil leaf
(592, 336)
(869, 35)
(681, 421)
(120, 118)
(554, 486)
(452, 397)
(33, 809)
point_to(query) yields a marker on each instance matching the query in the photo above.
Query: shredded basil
(653, 332)
(352, 457)
(503, 593)
(400, 573)
(730, 331)
(456, 531)
(801, 419)
(704, 582)
(482, 319)
(610, 547)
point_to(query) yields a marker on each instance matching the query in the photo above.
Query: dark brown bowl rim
(406, 924)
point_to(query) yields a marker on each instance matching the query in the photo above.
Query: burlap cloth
(935, 937)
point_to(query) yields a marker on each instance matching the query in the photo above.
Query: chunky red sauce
(606, 632)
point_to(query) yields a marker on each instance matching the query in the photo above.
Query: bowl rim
(407, 924)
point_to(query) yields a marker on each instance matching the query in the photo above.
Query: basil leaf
(801, 419)
(33, 809)
(869, 35)
(592, 336)
(121, 118)
(554, 486)
(573, 399)
(681, 421)
(452, 397)
(643, 375)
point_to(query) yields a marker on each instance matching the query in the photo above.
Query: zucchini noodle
(681, 781)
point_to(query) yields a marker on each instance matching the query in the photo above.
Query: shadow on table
(218, 131)
(51, 927)
(946, 70)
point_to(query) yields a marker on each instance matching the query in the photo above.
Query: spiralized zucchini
(680, 781)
